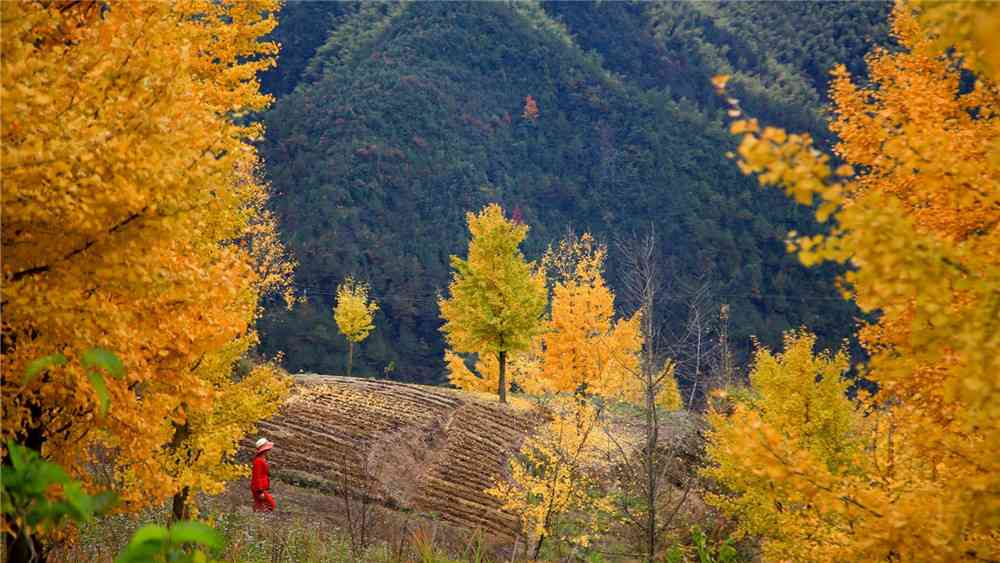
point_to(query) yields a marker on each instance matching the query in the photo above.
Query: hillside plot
(409, 447)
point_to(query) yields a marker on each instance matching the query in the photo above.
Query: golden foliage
(583, 346)
(128, 199)
(552, 476)
(920, 225)
(522, 369)
(972, 28)
(497, 297)
(354, 310)
(204, 460)
(795, 425)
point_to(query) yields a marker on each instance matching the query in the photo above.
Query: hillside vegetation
(409, 115)
(581, 230)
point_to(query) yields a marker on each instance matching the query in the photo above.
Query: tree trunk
(538, 546)
(502, 384)
(179, 506)
(350, 357)
(648, 372)
(651, 436)
(179, 509)
(23, 549)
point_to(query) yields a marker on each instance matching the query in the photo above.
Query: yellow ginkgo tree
(355, 314)
(584, 347)
(553, 476)
(497, 298)
(126, 204)
(916, 214)
(797, 402)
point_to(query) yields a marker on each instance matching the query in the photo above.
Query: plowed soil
(407, 447)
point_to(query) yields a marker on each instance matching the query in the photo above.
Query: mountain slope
(396, 132)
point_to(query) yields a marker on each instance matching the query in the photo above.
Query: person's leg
(268, 502)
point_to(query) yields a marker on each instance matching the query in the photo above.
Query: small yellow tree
(797, 403)
(552, 476)
(497, 297)
(354, 313)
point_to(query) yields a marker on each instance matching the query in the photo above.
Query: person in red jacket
(260, 479)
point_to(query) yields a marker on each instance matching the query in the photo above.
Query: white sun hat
(263, 445)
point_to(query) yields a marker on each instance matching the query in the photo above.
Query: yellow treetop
(497, 298)
(583, 345)
(920, 226)
(795, 424)
(355, 310)
(125, 186)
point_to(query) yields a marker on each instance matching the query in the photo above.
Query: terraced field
(421, 448)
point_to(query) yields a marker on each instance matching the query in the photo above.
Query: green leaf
(103, 398)
(149, 532)
(145, 543)
(196, 532)
(46, 474)
(727, 553)
(105, 359)
(104, 501)
(18, 454)
(78, 504)
(42, 364)
(141, 552)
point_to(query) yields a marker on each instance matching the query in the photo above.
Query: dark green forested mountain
(405, 116)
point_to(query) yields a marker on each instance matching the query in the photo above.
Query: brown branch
(17, 276)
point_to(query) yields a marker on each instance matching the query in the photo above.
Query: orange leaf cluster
(129, 204)
(920, 226)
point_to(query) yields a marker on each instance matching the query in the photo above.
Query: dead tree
(358, 495)
(647, 465)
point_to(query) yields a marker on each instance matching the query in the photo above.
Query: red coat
(260, 480)
(260, 485)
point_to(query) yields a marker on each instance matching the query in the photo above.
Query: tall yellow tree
(920, 225)
(354, 313)
(200, 453)
(583, 346)
(497, 297)
(126, 204)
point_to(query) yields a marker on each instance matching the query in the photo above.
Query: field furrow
(423, 448)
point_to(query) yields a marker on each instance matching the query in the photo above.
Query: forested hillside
(707, 283)
(409, 115)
